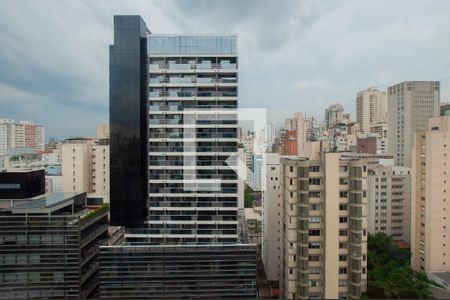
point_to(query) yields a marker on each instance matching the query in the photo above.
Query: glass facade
(178, 272)
(171, 44)
(128, 116)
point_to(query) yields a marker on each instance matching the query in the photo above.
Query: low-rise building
(49, 246)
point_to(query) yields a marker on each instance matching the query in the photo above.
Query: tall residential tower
(410, 105)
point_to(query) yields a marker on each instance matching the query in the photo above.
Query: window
(314, 283)
(342, 245)
(314, 168)
(342, 257)
(314, 220)
(314, 207)
(343, 194)
(314, 181)
(343, 206)
(314, 271)
(314, 258)
(343, 232)
(342, 282)
(291, 169)
(314, 232)
(313, 245)
(314, 194)
(343, 169)
(343, 220)
(342, 270)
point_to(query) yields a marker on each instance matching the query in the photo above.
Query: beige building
(389, 201)
(24, 134)
(324, 246)
(334, 114)
(272, 224)
(102, 131)
(371, 107)
(410, 105)
(85, 167)
(430, 218)
(253, 221)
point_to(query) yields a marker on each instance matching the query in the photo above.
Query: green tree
(249, 198)
(389, 273)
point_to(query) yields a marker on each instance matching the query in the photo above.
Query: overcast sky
(294, 55)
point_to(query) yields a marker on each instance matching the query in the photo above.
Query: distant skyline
(294, 55)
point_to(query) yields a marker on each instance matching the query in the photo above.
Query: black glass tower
(128, 118)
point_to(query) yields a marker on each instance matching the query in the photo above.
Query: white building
(371, 108)
(410, 105)
(389, 201)
(272, 224)
(24, 134)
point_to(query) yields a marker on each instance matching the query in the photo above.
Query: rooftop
(45, 203)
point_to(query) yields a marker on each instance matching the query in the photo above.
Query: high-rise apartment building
(85, 166)
(24, 134)
(430, 239)
(272, 225)
(192, 133)
(334, 115)
(389, 201)
(288, 142)
(324, 227)
(371, 108)
(410, 105)
(174, 150)
(298, 125)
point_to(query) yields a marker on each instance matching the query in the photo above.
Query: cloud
(293, 55)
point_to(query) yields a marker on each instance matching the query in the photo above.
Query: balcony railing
(189, 66)
(187, 94)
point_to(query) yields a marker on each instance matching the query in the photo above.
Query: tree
(389, 273)
(249, 198)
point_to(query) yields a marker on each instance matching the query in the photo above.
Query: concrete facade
(430, 241)
(371, 108)
(324, 243)
(410, 104)
(272, 224)
(389, 201)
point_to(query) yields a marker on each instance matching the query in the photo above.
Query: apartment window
(314, 220)
(314, 232)
(342, 270)
(342, 295)
(314, 283)
(343, 194)
(314, 271)
(314, 245)
(314, 181)
(343, 232)
(342, 282)
(314, 207)
(342, 245)
(314, 168)
(314, 258)
(343, 206)
(291, 169)
(343, 181)
(343, 220)
(343, 169)
(314, 194)
(342, 257)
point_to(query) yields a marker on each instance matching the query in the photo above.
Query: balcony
(186, 94)
(94, 215)
(193, 66)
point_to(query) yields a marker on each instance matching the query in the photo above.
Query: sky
(294, 55)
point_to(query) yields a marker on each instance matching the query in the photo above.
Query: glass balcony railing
(192, 94)
(200, 66)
